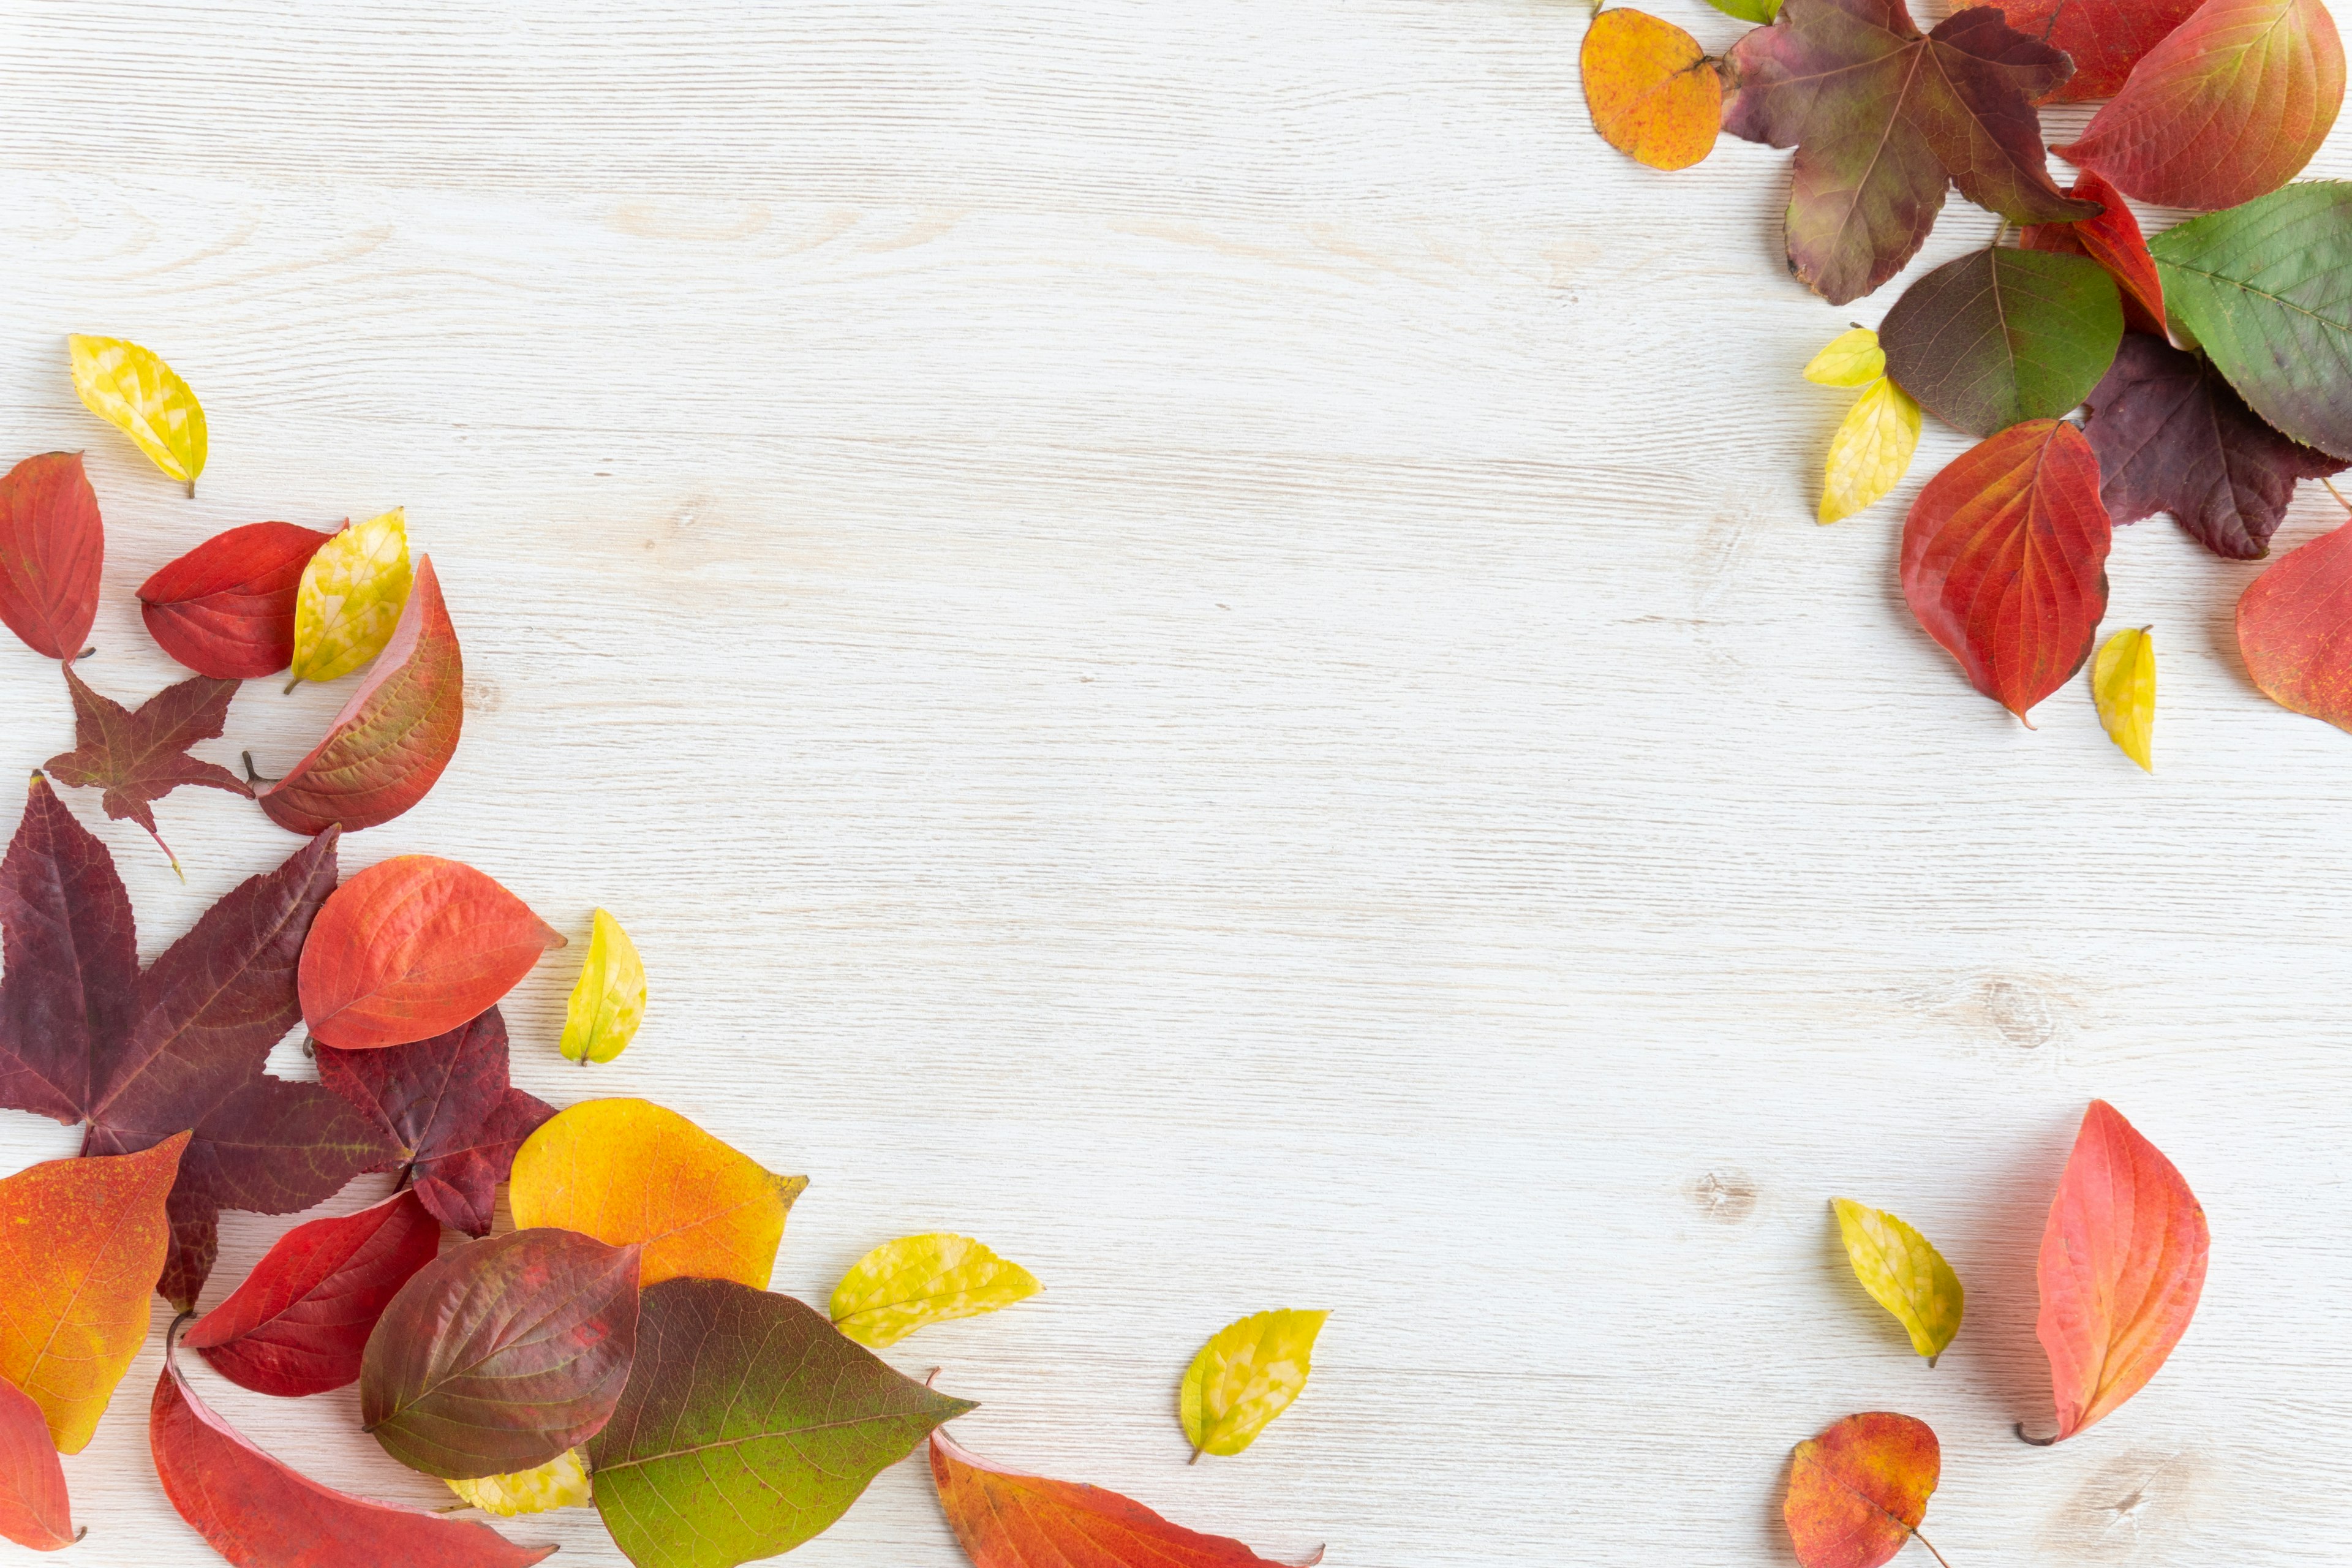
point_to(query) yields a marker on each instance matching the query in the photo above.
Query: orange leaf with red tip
(51, 547)
(1858, 1491)
(2294, 629)
(227, 608)
(34, 1509)
(2112, 239)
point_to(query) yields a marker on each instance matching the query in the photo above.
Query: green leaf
(2002, 336)
(1903, 1273)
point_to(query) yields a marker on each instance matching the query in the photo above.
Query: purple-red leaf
(2112, 239)
(2106, 37)
(138, 758)
(227, 607)
(51, 546)
(34, 1509)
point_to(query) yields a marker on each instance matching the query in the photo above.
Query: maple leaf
(85, 1036)
(139, 758)
(1883, 118)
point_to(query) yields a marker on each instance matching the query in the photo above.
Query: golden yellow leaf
(608, 1000)
(133, 390)
(1903, 1273)
(1652, 90)
(1247, 1374)
(562, 1482)
(1852, 359)
(350, 598)
(628, 1169)
(1871, 451)
(916, 1280)
(2123, 683)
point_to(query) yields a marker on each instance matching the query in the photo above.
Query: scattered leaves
(2104, 37)
(1247, 1374)
(133, 390)
(51, 547)
(2112, 239)
(138, 758)
(608, 1000)
(918, 1280)
(562, 1482)
(1858, 1491)
(1903, 1273)
(2001, 336)
(350, 598)
(1653, 92)
(227, 608)
(2294, 629)
(2123, 683)
(34, 1509)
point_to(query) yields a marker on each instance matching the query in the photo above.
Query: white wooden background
(1190, 634)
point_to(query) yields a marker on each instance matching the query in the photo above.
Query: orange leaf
(1653, 91)
(34, 1511)
(2294, 629)
(1858, 1491)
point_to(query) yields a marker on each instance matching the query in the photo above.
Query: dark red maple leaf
(447, 1105)
(86, 1036)
(139, 758)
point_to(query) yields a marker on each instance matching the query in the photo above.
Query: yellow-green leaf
(1903, 1274)
(918, 1281)
(1852, 359)
(562, 1482)
(2123, 683)
(1247, 1374)
(350, 598)
(608, 1000)
(1871, 451)
(133, 390)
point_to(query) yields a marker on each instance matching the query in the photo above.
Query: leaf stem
(2037, 1442)
(2346, 505)
(1197, 1452)
(252, 777)
(1931, 1546)
(192, 490)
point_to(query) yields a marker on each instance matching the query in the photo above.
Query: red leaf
(393, 737)
(2123, 1262)
(412, 948)
(139, 758)
(299, 1323)
(1007, 1519)
(2104, 38)
(2294, 629)
(2112, 239)
(51, 546)
(447, 1102)
(503, 1354)
(2004, 560)
(257, 1513)
(227, 607)
(34, 1509)
(1858, 1491)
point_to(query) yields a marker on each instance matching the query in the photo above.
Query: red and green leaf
(51, 548)
(2294, 629)
(2000, 336)
(138, 758)
(2112, 239)
(227, 608)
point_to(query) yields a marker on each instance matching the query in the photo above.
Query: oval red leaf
(1858, 1491)
(34, 1509)
(227, 608)
(2294, 629)
(51, 546)
(412, 948)
(2004, 560)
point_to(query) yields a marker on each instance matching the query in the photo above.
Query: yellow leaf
(2123, 682)
(628, 1169)
(1903, 1274)
(133, 390)
(1871, 451)
(1852, 359)
(350, 598)
(608, 1000)
(918, 1281)
(1247, 1374)
(562, 1482)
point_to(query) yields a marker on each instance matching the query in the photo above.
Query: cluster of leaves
(2213, 362)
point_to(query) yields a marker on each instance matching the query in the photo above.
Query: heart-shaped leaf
(34, 1509)
(1858, 1491)
(1654, 93)
(227, 608)
(51, 547)
(2294, 629)
(133, 390)
(2001, 336)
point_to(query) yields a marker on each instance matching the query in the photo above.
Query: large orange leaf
(1653, 91)
(1858, 1491)
(2294, 629)
(34, 1509)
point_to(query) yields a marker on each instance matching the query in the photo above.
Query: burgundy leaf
(139, 758)
(51, 546)
(227, 607)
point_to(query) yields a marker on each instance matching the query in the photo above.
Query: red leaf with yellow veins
(138, 758)
(34, 1509)
(2294, 629)
(300, 1321)
(1858, 1491)
(412, 948)
(393, 737)
(2104, 38)
(227, 608)
(2004, 560)
(2123, 1262)
(2112, 239)
(51, 547)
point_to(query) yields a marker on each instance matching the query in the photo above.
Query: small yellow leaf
(133, 390)
(1852, 359)
(1247, 1374)
(2123, 682)
(1871, 451)
(1903, 1274)
(918, 1281)
(350, 598)
(608, 1000)
(562, 1482)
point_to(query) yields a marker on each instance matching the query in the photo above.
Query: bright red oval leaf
(298, 1323)
(227, 608)
(2104, 38)
(2229, 107)
(2294, 629)
(139, 758)
(51, 547)
(1008, 1519)
(34, 1509)
(395, 735)
(503, 1354)
(2123, 1262)
(2004, 560)
(1858, 1491)
(412, 948)
(2112, 239)
(257, 1513)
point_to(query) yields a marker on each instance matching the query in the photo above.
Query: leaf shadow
(1996, 1257)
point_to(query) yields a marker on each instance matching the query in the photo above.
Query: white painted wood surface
(1191, 635)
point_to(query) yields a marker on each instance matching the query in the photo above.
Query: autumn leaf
(1654, 93)
(748, 1426)
(1883, 118)
(51, 547)
(350, 598)
(628, 1171)
(2227, 107)
(81, 1242)
(2123, 683)
(2112, 239)
(1008, 1519)
(1247, 1374)
(2004, 561)
(412, 947)
(446, 1104)
(2123, 1262)
(227, 608)
(298, 1323)
(918, 1280)
(1756, 11)
(608, 1000)
(138, 758)
(388, 746)
(1871, 451)
(1903, 1273)
(34, 1509)
(2001, 336)
(258, 1513)
(1853, 358)
(133, 390)
(502, 1354)
(562, 1482)
(2104, 38)
(1858, 1491)
(2294, 629)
